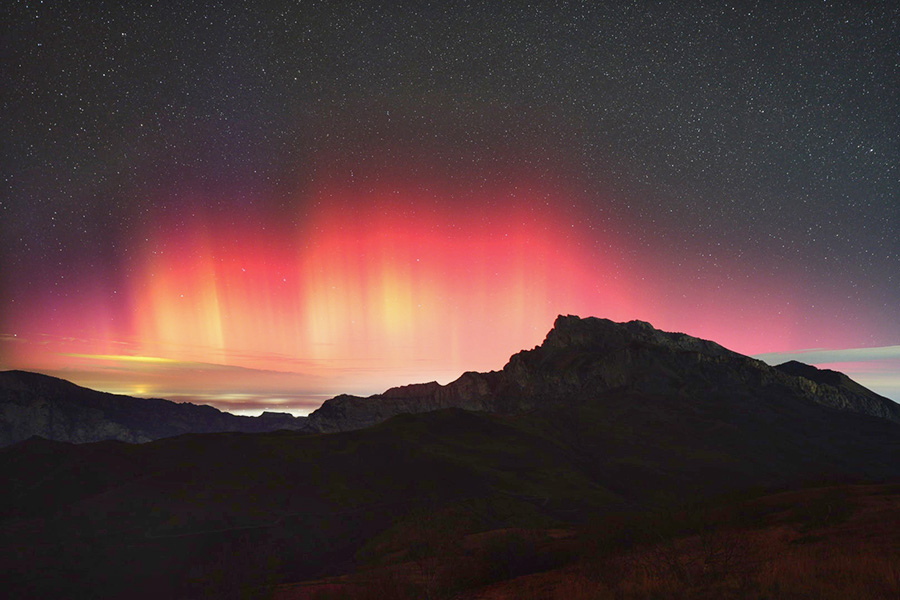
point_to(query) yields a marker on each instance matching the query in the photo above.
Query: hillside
(633, 421)
(32, 404)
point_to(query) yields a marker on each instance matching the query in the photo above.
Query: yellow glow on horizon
(123, 358)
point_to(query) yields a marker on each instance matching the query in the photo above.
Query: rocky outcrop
(33, 404)
(835, 389)
(585, 358)
(472, 391)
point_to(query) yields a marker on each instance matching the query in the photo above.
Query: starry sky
(260, 205)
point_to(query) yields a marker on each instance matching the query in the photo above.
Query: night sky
(262, 205)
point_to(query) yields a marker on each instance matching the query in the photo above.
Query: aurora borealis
(264, 205)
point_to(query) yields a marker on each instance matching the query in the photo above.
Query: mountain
(578, 360)
(581, 358)
(602, 419)
(34, 404)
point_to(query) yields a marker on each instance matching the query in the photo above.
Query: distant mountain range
(34, 404)
(580, 359)
(600, 419)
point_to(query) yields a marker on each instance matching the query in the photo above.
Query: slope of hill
(34, 404)
(836, 389)
(219, 514)
(829, 543)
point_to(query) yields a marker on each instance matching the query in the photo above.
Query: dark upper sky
(748, 142)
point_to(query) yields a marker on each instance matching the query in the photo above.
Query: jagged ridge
(583, 358)
(580, 359)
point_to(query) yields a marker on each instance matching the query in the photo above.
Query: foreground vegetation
(621, 496)
(831, 543)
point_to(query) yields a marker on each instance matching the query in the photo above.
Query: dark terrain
(616, 437)
(34, 404)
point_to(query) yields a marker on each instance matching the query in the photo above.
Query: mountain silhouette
(583, 358)
(32, 404)
(579, 359)
(601, 418)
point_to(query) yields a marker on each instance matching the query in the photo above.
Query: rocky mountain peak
(572, 333)
(586, 358)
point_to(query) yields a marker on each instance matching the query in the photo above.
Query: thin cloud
(130, 362)
(820, 356)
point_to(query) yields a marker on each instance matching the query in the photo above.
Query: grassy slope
(105, 515)
(830, 543)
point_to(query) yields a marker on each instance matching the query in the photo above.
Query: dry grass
(832, 572)
(824, 544)
(823, 573)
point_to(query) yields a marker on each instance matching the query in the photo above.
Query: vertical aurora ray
(366, 281)
(377, 289)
